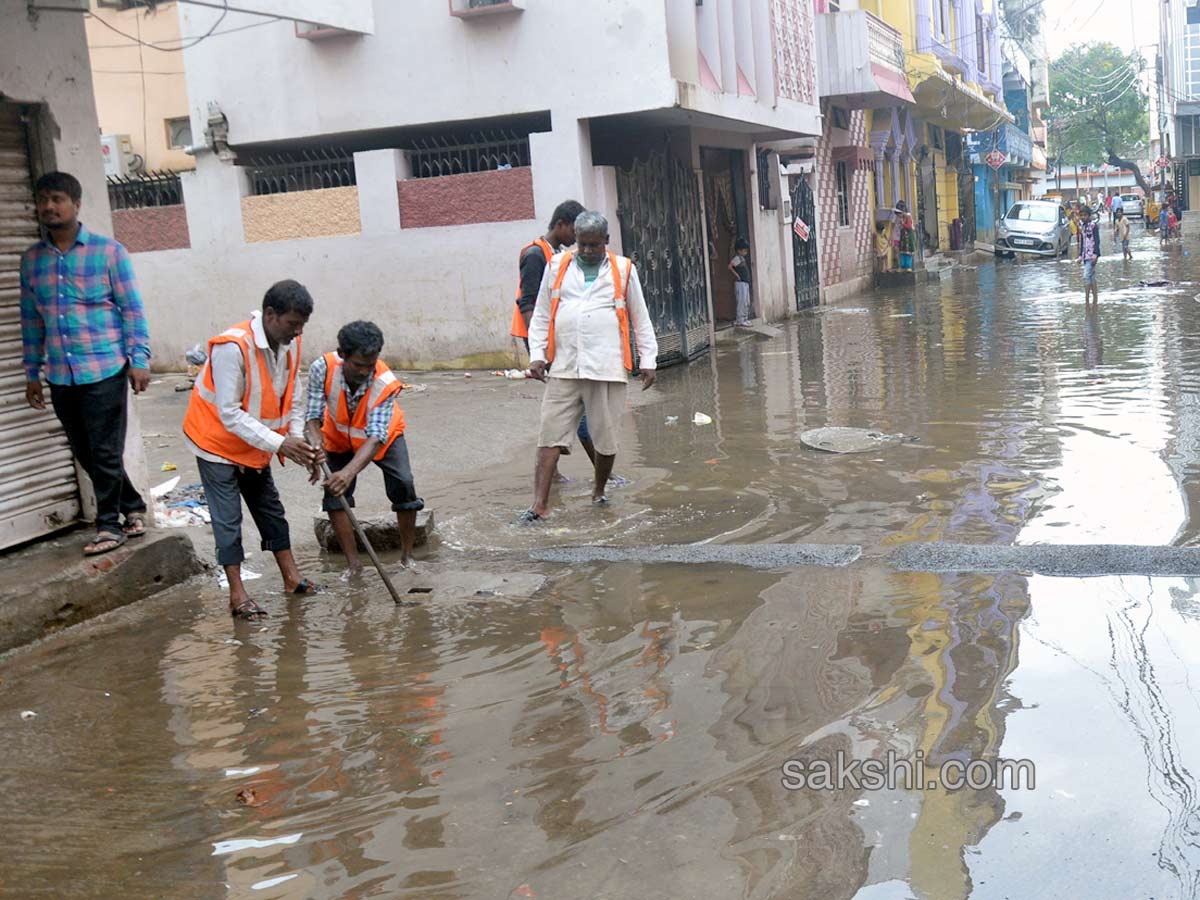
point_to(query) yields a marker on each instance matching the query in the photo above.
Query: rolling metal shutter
(39, 492)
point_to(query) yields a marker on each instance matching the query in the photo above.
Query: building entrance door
(725, 202)
(804, 244)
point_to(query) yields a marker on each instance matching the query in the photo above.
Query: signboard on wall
(801, 229)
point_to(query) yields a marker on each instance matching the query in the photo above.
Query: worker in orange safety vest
(354, 416)
(242, 411)
(532, 262)
(589, 310)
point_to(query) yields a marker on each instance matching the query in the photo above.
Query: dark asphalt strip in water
(1041, 559)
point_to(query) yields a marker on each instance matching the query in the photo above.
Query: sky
(1126, 23)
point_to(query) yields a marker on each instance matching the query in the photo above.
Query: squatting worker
(532, 262)
(353, 414)
(243, 410)
(83, 324)
(589, 304)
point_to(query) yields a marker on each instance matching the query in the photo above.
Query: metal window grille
(480, 151)
(304, 170)
(764, 179)
(149, 189)
(843, 194)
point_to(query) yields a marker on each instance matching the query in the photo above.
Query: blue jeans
(1089, 272)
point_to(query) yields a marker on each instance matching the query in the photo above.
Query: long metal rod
(362, 536)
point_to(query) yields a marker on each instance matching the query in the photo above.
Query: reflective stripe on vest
(618, 304)
(518, 327)
(345, 433)
(202, 423)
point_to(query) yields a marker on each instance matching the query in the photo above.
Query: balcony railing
(149, 189)
(884, 44)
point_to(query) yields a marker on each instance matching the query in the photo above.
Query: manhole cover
(848, 440)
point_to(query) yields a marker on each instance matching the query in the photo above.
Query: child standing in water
(740, 267)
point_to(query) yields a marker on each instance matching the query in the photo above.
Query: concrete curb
(756, 556)
(58, 587)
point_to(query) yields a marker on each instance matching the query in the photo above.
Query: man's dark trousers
(93, 416)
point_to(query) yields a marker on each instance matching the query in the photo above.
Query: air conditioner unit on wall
(118, 155)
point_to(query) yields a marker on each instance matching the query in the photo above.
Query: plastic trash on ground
(701, 419)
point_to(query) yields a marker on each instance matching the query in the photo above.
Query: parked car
(1133, 206)
(1035, 227)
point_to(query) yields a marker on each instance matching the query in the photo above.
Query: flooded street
(621, 731)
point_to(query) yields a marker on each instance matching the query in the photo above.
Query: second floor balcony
(860, 61)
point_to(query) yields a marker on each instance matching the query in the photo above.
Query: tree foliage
(1098, 107)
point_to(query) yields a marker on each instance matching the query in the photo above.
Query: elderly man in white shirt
(589, 307)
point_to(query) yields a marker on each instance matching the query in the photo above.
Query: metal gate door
(966, 205)
(804, 251)
(38, 489)
(927, 204)
(658, 203)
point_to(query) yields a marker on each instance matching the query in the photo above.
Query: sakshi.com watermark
(894, 772)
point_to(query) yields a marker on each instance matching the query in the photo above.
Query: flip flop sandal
(529, 517)
(307, 588)
(601, 501)
(104, 537)
(248, 611)
(135, 525)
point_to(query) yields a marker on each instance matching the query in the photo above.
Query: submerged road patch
(1040, 559)
(1049, 559)
(756, 556)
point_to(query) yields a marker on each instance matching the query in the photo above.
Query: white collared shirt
(587, 337)
(229, 379)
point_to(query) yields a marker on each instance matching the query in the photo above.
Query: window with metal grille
(457, 153)
(284, 171)
(980, 45)
(842, 174)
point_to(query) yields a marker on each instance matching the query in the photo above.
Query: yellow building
(952, 63)
(141, 91)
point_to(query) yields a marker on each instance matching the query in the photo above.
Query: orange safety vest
(202, 424)
(518, 328)
(345, 433)
(618, 303)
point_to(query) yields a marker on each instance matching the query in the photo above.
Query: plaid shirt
(379, 419)
(81, 314)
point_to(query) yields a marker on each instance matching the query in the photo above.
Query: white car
(1036, 227)
(1133, 206)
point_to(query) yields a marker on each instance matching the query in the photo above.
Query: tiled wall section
(152, 228)
(850, 257)
(302, 214)
(500, 196)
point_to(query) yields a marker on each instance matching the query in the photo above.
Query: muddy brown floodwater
(621, 732)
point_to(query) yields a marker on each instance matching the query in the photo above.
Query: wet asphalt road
(622, 732)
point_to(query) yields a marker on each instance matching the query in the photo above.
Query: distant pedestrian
(589, 308)
(1164, 223)
(1121, 232)
(907, 243)
(739, 265)
(1108, 200)
(1089, 253)
(1117, 205)
(883, 248)
(82, 322)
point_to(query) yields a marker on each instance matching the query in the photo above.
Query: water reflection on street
(620, 733)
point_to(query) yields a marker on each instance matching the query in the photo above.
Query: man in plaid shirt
(83, 325)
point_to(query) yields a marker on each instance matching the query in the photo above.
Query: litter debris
(672, 420)
(28, 714)
(414, 388)
(169, 467)
(1159, 283)
(701, 419)
(197, 355)
(165, 488)
(839, 439)
(466, 374)
(517, 374)
(180, 507)
(249, 797)
(247, 575)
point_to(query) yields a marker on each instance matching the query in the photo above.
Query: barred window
(283, 171)
(843, 193)
(456, 153)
